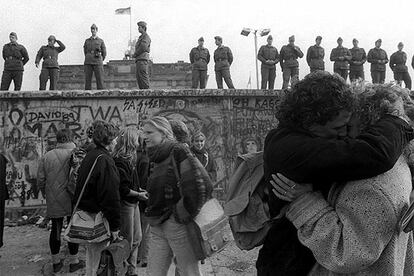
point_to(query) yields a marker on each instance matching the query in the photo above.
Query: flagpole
(130, 25)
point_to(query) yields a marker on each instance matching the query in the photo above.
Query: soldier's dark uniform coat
(15, 57)
(397, 65)
(341, 66)
(289, 64)
(314, 58)
(95, 53)
(268, 52)
(141, 55)
(356, 68)
(378, 59)
(50, 65)
(199, 58)
(223, 58)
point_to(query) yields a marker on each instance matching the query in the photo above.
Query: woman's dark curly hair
(316, 99)
(104, 133)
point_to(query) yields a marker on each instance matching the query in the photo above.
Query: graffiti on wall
(29, 128)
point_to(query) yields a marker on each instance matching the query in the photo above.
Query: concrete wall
(30, 120)
(120, 74)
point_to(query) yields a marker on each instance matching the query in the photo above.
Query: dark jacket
(315, 56)
(397, 62)
(15, 56)
(50, 55)
(199, 58)
(170, 166)
(223, 58)
(128, 179)
(267, 52)
(102, 191)
(359, 57)
(289, 55)
(304, 158)
(142, 47)
(142, 168)
(378, 58)
(94, 50)
(4, 194)
(207, 161)
(341, 52)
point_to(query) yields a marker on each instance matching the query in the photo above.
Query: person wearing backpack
(169, 206)
(125, 157)
(52, 178)
(311, 145)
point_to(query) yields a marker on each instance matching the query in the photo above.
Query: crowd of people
(133, 184)
(338, 171)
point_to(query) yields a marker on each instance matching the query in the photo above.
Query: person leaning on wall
(50, 67)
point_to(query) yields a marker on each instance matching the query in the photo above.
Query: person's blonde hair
(127, 145)
(162, 125)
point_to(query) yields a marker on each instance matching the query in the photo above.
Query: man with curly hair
(310, 145)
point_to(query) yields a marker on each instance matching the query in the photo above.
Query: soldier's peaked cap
(318, 37)
(218, 38)
(400, 44)
(339, 39)
(94, 26)
(13, 34)
(378, 40)
(201, 39)
(291, 38)
(142, 24)
(270, 37)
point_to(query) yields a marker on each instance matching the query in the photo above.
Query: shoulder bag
(85, 227)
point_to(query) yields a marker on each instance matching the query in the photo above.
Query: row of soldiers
(15, 57)
(347, 62)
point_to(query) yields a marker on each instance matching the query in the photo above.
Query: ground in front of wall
(26, 253)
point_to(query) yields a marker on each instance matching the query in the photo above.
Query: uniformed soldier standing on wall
(341, 57)
(397, 64)
(359, 57)
(50, 66)
(289, 63)
(378, 58)
(269, 56)
(141, 55)
(95, 53)
(15, 57)
(223, 58)
(315, 56)
(199, 58)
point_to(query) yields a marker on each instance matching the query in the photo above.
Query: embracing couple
(352, 147)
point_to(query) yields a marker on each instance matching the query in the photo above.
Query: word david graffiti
(29, 125)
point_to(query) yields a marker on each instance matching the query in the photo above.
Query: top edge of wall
(115, 93)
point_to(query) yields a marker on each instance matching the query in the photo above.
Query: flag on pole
(123, 11)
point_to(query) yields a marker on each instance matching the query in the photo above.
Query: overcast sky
(175, 25)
